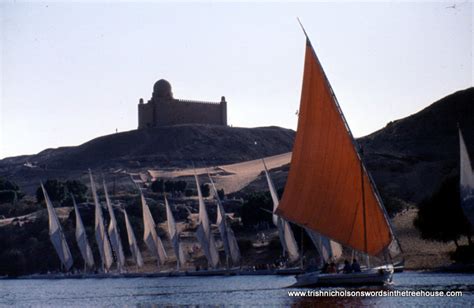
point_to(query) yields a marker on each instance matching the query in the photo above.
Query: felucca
(174, 236)
(150, 237)
(56, 234)
(328, 189)
(204, 232)
(81, 238)
(327, 249)
(132, 242)
(287, 238)
(103, 244)
(231, 247)
(114, 234)
(466, 185)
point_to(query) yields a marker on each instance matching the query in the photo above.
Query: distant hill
(153, 148)
(169, 146)
(410, 157)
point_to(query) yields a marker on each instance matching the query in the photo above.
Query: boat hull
(375, 276)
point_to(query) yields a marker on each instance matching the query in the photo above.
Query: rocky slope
(154, 148)
(410, 157)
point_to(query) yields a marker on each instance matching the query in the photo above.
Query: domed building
(163, 109)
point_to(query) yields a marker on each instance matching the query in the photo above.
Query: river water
(220, 291)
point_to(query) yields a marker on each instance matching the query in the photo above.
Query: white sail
(174, 236)
(81, 238)
(228, 238)
(466, 181)
(285, 233)
(151, 238)
(326, 248)
(132, 241)
(100, 235)
(204, 233)
(114, 233)
(56, 234)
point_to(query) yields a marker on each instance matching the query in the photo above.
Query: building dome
(162, 89)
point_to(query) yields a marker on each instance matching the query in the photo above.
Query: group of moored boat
(109, 242)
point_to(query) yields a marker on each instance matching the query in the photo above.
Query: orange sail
(328, 190)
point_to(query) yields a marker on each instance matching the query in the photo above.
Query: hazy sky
(71, 72)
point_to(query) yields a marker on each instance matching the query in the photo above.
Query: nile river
(237, 290)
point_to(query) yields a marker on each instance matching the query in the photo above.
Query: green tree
(220, 193)
(54, 188)
(60, 191)
(77, 189)
(257, 208)
(8, 185)
(205, 190)
(157, 186)
(181, 185)
(9, 191)
(440, 217)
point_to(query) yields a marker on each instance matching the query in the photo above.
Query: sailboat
(287, 238)
(466, 185)
(81, 238)
(114, 234)
(100, 234)
(327, 249)
(204, 233)
(328, 189)
(231, 247)
(132, 241)
(150, 237)
(174, 236)
(56, 234)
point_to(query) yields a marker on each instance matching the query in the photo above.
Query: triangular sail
(204, 233)
(114, 234)
(326, 248)
(174, 236)
(466, 181)
(328, 190)
(228, 238)
(56, 234)
(287, 238)
(100, 234)
(132, 241)
(81, 238)
(150, 237)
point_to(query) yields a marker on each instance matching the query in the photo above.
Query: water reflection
(219, 291)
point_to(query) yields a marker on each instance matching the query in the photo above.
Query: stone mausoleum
(163, 109)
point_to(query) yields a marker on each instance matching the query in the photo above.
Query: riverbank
(419, 254)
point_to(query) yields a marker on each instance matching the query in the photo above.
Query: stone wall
(161, 112)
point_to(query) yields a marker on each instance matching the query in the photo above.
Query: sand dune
(231, 177)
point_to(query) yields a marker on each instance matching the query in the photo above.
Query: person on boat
(355, 266)
(347, 267)
(325, 267)
(332, 268)
(311, 266)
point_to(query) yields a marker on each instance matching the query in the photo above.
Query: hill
(154, 148)
(411, 157)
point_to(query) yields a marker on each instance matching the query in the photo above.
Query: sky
(74, 71)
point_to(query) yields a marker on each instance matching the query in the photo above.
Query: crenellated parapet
(163, 109)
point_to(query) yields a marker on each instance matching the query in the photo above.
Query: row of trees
(61, 192)
(9, 191)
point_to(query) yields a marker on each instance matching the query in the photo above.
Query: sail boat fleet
(109, 242)
(329, 193)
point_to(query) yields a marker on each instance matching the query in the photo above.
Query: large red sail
(327, 184)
